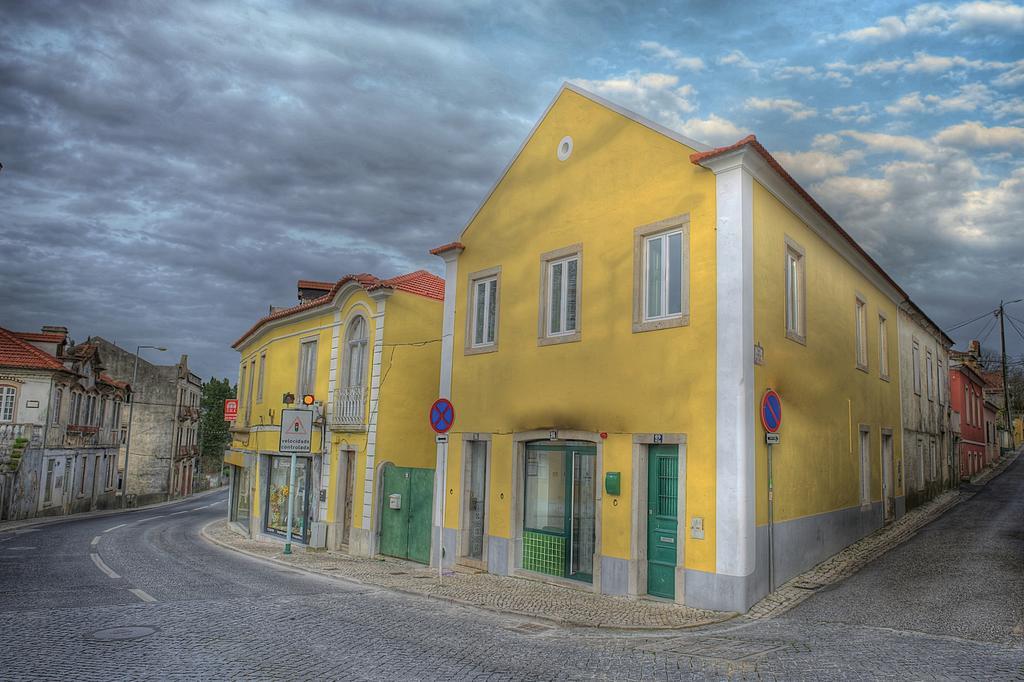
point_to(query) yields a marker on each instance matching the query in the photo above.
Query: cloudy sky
(170, 170)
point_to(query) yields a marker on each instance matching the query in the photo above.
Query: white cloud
(672, 57)
(797, 111)
(1008, 108)
(843, 80)
(858, 113)
(1012, 77)
(968, 97)
(975, 135)
(826, 141)
(655, 95)
(862, 189)
(713, 129)
(815, 164)
(885, 143)
(909, 103)
(737, 58)
(935, 18)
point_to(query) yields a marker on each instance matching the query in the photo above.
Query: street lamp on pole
(131, 413)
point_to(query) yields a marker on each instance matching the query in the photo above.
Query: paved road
(945, 605)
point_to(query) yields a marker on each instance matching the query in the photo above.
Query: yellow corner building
(368, 351)
(615, 310)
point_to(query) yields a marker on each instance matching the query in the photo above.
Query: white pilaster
(371, 423)
(444, 389)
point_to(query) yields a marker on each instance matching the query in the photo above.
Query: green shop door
(662, 519)
(405, 519)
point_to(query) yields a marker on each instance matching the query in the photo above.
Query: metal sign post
(442, 416)
(296, 437)
(771, 420)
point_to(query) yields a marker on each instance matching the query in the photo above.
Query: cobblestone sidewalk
(854, 557)
(561, 605)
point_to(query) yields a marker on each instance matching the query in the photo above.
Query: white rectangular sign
(771, 438)
(296, 431)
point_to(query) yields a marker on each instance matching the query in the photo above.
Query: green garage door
(405, 531)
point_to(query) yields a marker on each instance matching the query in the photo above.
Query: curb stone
(528, 615)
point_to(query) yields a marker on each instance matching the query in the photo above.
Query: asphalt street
(142, 595)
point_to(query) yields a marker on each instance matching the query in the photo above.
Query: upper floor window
(58, 396)
(8, 400)
(883, 347)
(259, 382)
(560, 296)
(939, 381)
(307, 367)
(356, 352)
(241, 386)
(248, 390)
(661, 274)
(862, 338)
(915, 359)
(483, 317)
(930, 371)
(795, 291)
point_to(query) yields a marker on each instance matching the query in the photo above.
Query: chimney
(50, 329)
(975, 348)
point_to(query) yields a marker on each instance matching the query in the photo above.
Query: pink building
(967, 397)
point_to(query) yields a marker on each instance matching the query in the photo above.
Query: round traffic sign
(442, 415)
(771, 411)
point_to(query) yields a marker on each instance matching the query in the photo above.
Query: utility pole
(1006, 385)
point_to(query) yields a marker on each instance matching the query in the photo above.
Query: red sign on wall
(231, 409)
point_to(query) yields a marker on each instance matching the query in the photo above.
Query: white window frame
(8, 403)
(248, 390)
(58, 398)
(883, 347)
(915, 359)
(865, 465)
(929, 366)
(642, 236)
(938, 380)
(666, 276)
(260, 379)
(861, 332)
(564, 256)
(491, 294)
(362, 347)
(307, 367)
(795, 306)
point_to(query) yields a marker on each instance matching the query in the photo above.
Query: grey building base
(498, 550)
(800, 544)
(614, 575)
(901, 506)
(362, 542)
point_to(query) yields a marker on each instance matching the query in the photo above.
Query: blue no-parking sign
(442, 415)
(771, 411)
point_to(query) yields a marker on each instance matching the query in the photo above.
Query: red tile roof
(446, 247)
(107, 379)
(14, 352)
(993, 379)
(40, 337)
(421, 283)
(751, 141)
(313, 284)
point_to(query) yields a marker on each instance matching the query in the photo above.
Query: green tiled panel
(544, 553)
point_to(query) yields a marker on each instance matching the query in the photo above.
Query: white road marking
(120, 525)
(142, 594)
(184, 511)
(150, 518)
(102, 566)
(21, 547)
(95, 541)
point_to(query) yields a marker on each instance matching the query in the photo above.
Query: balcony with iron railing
(24, 435)
(188, 413)
(349, 412)
(82, 436)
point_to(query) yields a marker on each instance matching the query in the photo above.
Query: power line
(964, 324)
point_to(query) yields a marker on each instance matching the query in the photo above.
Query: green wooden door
(394, 523)
(662, 519)
(405, 532)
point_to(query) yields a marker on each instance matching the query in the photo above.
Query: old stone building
(60, 416)
(165, 430)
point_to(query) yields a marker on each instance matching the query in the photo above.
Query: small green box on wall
(613, 483)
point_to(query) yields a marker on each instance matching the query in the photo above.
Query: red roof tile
(421, 283)
(40, 337)
(446, 247)
(699, 157)
(14, 352)
(107, 379)
(313, 284)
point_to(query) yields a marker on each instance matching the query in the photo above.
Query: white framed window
(357, 347)
(48, 481)
(560, 296)
(915, 359)
(307, 368)
(58, 397)
(241, 384)
(661, 274)
(929, 366)
(563, 289)
(939, 381)
(259, 381)
(865, 465)
(248, 390)
(8, 400)
(862, 337)
(883, 347)
(483, 331)
(796, 306)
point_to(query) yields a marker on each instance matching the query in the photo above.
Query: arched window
(356, 348)
(8, 399)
